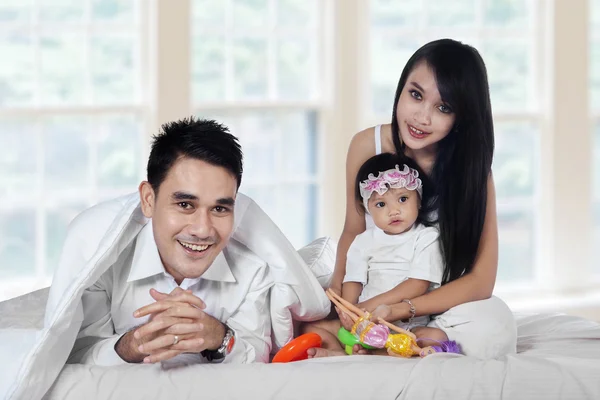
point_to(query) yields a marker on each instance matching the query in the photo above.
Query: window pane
(119, 144)
(66, 154)
(515, 170)
(113, 10)
(62, 82)
(295, 69)
(113, 70)
(56, 164)
(399, 29)
(516, 245)
(296, 13)
(595, 15)
(457, 14)
(507, 13)
(250, 68)
(255, 50)
(17, 243)
(281, 181)
(515, 160)
(250, 13)
(208, 67)
(15, 11)
(16, 76)
(57, 222)
(61, 11)
(297, 218)
(509, 65)
(395, 13)
(389, 55)
(18, 164)
(263, 51)
(208, 13)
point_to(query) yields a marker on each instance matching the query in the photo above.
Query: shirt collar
(146, 261)
(382, 237)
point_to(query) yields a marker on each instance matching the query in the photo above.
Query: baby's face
(395, 211)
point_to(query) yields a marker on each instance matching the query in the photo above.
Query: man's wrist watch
(218, 355)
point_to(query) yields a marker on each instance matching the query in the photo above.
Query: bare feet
(318, 352)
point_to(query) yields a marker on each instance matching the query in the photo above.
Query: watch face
(230, 344)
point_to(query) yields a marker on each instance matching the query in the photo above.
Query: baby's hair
(383, 162)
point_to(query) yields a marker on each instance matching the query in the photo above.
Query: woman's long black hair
(464, 157)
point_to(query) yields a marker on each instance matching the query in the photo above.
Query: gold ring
(175, 340)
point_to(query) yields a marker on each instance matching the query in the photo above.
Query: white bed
(558, 358)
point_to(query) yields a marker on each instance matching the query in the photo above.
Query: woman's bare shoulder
(363, 142)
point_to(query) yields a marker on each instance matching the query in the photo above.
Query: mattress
(558, 357)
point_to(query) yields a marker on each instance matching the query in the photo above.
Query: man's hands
(178, 314)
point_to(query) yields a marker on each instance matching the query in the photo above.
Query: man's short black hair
(201, 139)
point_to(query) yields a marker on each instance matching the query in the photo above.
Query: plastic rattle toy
(296, 349)
(400, 344)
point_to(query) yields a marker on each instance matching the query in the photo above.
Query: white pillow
(319, 255)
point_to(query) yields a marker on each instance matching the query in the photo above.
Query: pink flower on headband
(391, 179)
(372, 185)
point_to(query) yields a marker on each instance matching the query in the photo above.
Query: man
(182, 287)
(212, 299)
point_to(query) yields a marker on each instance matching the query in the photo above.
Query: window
(72, 124)
(505, 33)
(257, 66)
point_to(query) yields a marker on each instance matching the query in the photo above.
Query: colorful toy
(296, 349)
(365, 332)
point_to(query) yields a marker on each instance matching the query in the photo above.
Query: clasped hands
(177, 325)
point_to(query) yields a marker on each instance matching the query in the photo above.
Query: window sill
(584, 302)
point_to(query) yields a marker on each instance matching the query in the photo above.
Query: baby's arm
(356, 271)
(351, 291)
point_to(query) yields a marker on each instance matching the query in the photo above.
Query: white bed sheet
(558, 358)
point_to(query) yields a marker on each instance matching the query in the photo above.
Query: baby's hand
(382, 311)
(345, 320)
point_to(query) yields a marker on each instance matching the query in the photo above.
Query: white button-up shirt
(235, 290)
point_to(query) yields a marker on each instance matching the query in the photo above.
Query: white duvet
(558, 358)
(32, 356)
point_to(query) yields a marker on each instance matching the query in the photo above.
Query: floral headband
(391, 179)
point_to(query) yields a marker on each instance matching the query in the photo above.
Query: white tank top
(368, 219)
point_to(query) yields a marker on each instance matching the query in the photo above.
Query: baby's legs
(429, 336)
(327, 329)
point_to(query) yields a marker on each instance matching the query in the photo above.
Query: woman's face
(423, 118)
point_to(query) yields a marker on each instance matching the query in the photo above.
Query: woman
(442, 119)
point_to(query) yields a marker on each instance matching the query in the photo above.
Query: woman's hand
(382, 311)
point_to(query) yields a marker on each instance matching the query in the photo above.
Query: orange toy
(296, 349)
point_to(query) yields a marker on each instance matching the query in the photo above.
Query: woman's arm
(362, 147)
(409, 289)
(476, 285)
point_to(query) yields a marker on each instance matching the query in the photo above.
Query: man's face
(192, 215)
